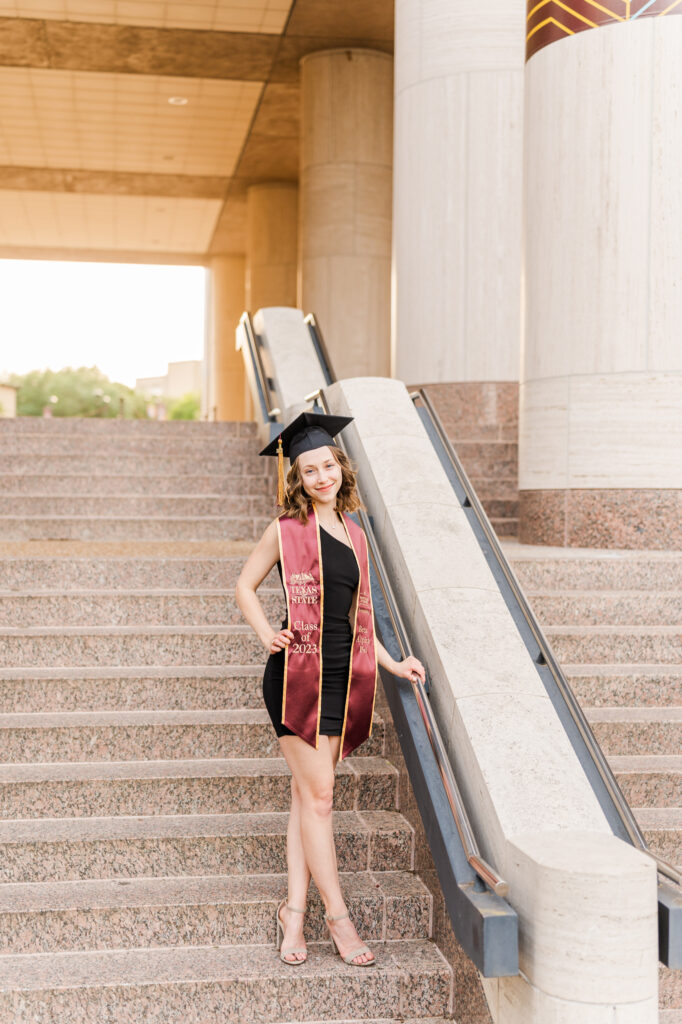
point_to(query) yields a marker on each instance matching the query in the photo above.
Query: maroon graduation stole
(301, 559)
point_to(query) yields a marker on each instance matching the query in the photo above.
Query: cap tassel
(280, 473)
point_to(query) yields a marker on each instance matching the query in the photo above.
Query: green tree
(85, 391)
(186, 408)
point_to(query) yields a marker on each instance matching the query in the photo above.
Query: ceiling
(131, 129)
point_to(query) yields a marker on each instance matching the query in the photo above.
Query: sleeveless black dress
(341, 578)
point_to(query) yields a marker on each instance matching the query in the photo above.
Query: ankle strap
(339, 917)
(294, 910)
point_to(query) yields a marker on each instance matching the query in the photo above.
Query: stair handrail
(592, 746)
(479, 865)
(254, 361)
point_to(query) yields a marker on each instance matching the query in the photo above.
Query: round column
(226, 397)
(345, 205)
(601, 389)
(271, 245)
(457, 192)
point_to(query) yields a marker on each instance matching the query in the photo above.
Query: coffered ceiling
(131, 129)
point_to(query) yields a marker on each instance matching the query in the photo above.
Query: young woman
(319, 682)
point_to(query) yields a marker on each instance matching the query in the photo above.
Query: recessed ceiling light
(178, 101)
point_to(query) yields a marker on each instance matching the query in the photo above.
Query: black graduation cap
(308, 431)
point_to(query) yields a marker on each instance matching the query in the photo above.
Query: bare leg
(313, 772)
(298, 877)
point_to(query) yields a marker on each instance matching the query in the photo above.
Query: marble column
(271, 245)
(601, 388)
(226, 397)
(345, 204)
(457, 192)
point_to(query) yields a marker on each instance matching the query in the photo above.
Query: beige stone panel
(97, 222)
(543, 434)
(520, 1002)
(603, 951)
(289, 351)
(347, 98)
(665, 310)
(328, 210)
(226, 377)
(272, 244)
(587, 211)
(395, 422)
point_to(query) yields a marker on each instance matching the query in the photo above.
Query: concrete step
(146, 735)
(130, 465)
(649, 780)
(115, 527)
(110, 788)
(136, 506)
(626, 685)
(108, 481)
(41, 917)
(131, 688)
(602, 608)
(62, 849)
(130, 645)
(94, 426)
(560, 569)
(662, 828)
(240, 984)
(132, 607)
(120, 567)
(637, 730)
(37, 443)
(619, 644)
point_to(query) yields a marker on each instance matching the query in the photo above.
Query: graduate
(319, 683)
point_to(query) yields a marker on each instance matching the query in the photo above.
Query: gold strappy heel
(350, 957)
(284, 953)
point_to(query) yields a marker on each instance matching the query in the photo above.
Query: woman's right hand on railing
(279, 641)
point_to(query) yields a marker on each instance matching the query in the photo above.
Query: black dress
(341, 578)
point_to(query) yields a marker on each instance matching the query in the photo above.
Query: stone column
(457, 192)
(345, 204)
(271, 245)
(601, 390)
(226, 381)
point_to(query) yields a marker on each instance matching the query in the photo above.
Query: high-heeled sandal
(350, 957)
(284, 953)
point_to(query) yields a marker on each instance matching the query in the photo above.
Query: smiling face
(321, 475)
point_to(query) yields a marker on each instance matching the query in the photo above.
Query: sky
(130, 320)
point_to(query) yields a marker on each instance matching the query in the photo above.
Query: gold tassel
(280, 473)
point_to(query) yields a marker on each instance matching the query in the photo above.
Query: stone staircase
(142, 798)
(614, 619)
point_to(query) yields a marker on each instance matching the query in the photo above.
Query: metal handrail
(479, 865)
(268, 411)
(596, 753)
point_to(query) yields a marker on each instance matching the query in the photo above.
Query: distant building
(180, 379)
(8, 401)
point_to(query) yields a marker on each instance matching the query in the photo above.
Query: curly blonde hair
(297, 502)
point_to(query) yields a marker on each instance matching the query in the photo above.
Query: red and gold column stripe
(548, 21)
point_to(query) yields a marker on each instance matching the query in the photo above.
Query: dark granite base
(609, 518)
(470, 1006)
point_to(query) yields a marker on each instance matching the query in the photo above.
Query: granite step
(37, 443)
(131, 465)
(495, 488)
(123, 571)
(149, 735)
(662, 828)
(131, 688)
(566, 570)
(199, 607)
(130, 645)
(108, 788)
(197, 480)
(669, 993)
(628, 685)
(619, 644)
(240, 984)
(94, 426)
(629, 731)
(135, 506)
(501, 508)
(508, 527)
(488, 458)
(602, 608)
(649, 780)
(219, 910)
(63, 849)
(119, 527)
